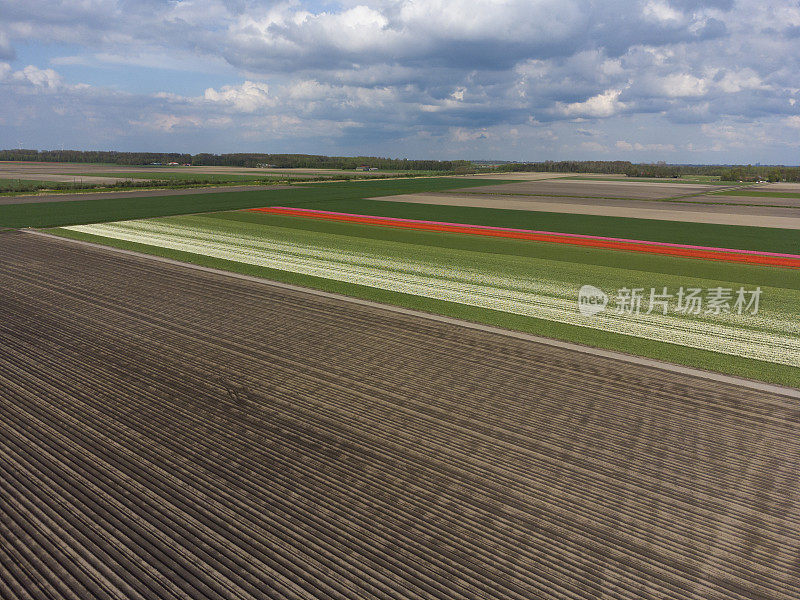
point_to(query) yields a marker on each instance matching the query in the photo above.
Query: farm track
(156, 443)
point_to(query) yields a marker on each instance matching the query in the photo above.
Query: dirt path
(168, 432)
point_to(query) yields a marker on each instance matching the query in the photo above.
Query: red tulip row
(688, 251)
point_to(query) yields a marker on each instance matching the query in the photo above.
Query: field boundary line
(611, 354)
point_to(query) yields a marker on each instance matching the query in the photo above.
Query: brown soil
(166, 432)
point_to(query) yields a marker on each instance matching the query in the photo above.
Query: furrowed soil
(166, 432)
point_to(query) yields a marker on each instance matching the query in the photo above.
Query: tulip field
(505, 282)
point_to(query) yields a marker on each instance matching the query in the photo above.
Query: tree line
(236, 160)
(314, 161)
(660, 170)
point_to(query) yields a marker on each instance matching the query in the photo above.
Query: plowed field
(166, 432)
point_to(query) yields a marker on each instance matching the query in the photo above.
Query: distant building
(362, 168)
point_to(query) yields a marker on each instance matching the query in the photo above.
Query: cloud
(594, 147)
(566, 76)
(601, 105)
(681, 85)
(793, 121)
(466, 135)
(6, 49)
(247, 97)
(41, 78)
(736, 81)
(628, 147)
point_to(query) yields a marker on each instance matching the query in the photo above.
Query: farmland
(25, 178)
(521, 285)
(595, 188)
(69, 172)
(763, 193)
(729, 236)
(182, 176)
(116, 206)
(158, 443)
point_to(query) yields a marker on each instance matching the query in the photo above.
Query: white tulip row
(768, 337)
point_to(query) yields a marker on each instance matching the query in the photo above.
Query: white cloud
(198, 12)
(461, 134)
(167, 123)
(661, 11)
(682, 85)
(793, 121)
(43, 78)
(247, 97)
(636, 146)
(601, 105)
(736, 81)
(6, 50)
(594, 147)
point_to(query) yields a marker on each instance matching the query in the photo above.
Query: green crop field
(521, 285)
(110, 208)
(10, 185)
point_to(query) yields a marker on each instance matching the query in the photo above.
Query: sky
(711, 81)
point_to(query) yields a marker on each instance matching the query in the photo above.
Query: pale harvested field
(166, 432)
(761, 216)
(57, 178)
(761, 200)
(135, 194)
(566, 187)
(787, 188)
(523, 176)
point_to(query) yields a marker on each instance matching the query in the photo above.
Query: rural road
(170, 432)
